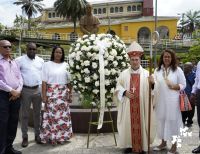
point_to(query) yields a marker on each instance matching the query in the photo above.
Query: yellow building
(129, 19)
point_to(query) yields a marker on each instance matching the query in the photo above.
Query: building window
(57, 15)
(121, 9)
(104, 10)
(95, 11)
(99, 11)
(133, 8)
(111, 10)
(53, 15)
(139, 8)
(125, 28)
(116, 9)
(129, 9)
(49, 15)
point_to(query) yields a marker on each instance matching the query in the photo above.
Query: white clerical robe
(123, 103)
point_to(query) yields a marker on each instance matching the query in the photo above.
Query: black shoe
(38, 140)
(196, 150)
(12, 151)
(128, 150)
(24, 142)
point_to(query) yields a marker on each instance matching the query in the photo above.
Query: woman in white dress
(56, 94)
(169, 79)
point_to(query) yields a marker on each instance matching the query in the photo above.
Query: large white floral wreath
(84, 65)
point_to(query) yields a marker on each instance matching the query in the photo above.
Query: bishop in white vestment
(132, 97)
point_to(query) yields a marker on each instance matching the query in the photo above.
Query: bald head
(31, 50)
(88, 9)
(5, 48)
(2, 42)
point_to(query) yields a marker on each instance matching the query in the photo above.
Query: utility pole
(108, 16)
(155, 46)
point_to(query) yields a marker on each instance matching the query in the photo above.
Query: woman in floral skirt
(56, 94)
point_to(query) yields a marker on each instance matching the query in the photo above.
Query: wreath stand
(91, 122)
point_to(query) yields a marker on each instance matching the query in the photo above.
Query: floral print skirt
(56, 124)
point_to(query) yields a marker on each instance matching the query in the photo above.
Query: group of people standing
(164, 85)
(29, 80)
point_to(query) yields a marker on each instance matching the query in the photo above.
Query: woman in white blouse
(56, 94)
(169, 79)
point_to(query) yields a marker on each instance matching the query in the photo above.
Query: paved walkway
(102, 144)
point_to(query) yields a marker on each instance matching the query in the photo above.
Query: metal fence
(144, 63)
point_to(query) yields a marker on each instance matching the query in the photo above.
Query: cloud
(8, 10)
(175, 7)
(8, 15)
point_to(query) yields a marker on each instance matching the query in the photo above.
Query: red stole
(135, 114)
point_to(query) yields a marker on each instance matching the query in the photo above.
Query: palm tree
(30, 7)
(72, 9)
(191, 20)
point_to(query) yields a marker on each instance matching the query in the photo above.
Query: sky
(8, 10)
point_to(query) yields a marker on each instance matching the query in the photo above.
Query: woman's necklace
(166, 72)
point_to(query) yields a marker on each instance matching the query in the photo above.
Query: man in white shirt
(31, 69)
(196, 93)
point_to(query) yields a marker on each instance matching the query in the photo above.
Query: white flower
(72, 55)
(79, 53)
(106, 54)
(77, 67)
(86, 71)
(92, 37)
(123, 64)
(78, 76)
(87, 79)
(85, 36)
(113, 71)
(95, 91)
(82, 64)
(94, 65)
(89, 54)
(79, 39)
(77, 57)
(95, 76)
(86, 63)
(107, 82)
(115, 63)
(112, 90)
(76, 49)
(111, 58)
(107, 72)
(86, 40)
(93, 103)
(95, 48)
(71, 63)
(88, 43)
(96, 83)
(97, 57)
(105, 63)
(109, 103)
(119, 57)
(84, 48)
(78, 45)
(114, 52)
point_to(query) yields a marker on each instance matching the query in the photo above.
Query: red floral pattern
(56, 126)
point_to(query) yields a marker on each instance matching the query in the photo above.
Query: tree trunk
(74, 20)
(29, 23)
